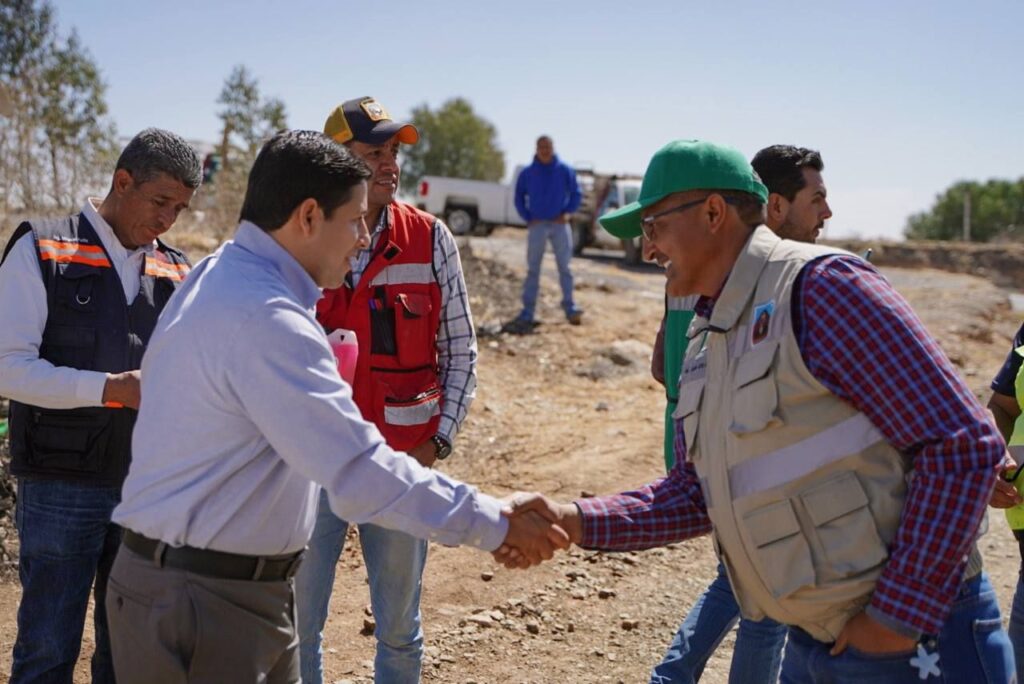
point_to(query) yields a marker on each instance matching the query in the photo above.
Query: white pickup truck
(469, 206)
(476, 207)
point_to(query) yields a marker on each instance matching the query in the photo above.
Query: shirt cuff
(889, 623)
(447, 428)
(591, 512)
(489, 530)
(89, 387)
(907, 610)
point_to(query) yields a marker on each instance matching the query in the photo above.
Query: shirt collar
(382, 221)
(257, 241)
(90, 209)
(705, 304)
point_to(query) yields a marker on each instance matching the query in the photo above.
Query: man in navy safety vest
(405, 297)
(79, 297)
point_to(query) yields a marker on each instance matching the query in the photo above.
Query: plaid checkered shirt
(862, 341)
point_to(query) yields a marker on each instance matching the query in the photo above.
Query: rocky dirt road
(570, 411)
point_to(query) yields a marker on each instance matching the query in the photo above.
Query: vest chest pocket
(78, 287)
(688, 414)
(413, 334)
(755, 400)
(781, 549)
(73, 346)
(845, 534)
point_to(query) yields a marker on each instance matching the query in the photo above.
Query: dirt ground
(569, 411)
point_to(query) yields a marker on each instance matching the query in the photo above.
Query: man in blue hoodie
(546, 194)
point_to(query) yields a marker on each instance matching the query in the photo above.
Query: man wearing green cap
(823, 436)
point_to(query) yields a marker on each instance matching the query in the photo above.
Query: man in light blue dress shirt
(243, 418)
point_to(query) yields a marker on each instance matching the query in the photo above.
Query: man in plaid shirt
(405, 297)
(859, 529)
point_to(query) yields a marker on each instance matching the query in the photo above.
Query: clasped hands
(537, 527)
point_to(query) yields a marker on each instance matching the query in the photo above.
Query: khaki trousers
(169, 626)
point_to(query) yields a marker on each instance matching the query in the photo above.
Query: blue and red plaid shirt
(860, 339)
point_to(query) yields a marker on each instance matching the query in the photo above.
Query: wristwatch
(442, 448)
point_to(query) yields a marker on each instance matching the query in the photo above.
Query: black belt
(214, 563)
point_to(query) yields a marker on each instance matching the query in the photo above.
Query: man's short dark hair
(781, 168)
(545, 138)
(294, 166)
(155, 151)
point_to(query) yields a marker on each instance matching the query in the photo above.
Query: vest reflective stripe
(163, 269)
(65, 252)
(848, 438)
(420, 274)
(414, 413)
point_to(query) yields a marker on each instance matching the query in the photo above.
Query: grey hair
(155, 151)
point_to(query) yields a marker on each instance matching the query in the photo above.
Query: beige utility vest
(804, 493)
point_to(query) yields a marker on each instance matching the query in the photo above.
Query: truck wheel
(460, 220)
(633, 253)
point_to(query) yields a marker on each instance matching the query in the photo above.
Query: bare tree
(57, 139)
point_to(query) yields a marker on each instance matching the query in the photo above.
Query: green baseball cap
(680, 166)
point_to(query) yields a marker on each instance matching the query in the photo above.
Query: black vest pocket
(73, 346)
(72, 441)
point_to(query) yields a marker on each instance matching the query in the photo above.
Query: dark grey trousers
(169, 626)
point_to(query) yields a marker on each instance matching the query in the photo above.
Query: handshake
(537, 526)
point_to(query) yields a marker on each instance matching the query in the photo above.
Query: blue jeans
(67, 540)
(394, 566)
(1017, 628)
(537, 236)
(972, 647)
(756, 657)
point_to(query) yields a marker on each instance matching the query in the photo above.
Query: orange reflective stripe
(165, 269)
(48, 254)
(65, 252)
(63, 246)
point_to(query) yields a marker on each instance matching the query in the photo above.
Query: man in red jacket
(405, 298)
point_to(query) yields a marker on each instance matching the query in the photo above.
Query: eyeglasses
(647, 224)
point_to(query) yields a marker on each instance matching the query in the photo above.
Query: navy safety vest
(89, 326)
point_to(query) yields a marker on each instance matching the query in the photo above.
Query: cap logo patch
(374, 111)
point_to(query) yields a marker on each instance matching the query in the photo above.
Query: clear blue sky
(902, 98)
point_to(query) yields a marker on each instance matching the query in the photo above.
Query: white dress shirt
(24, 376)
